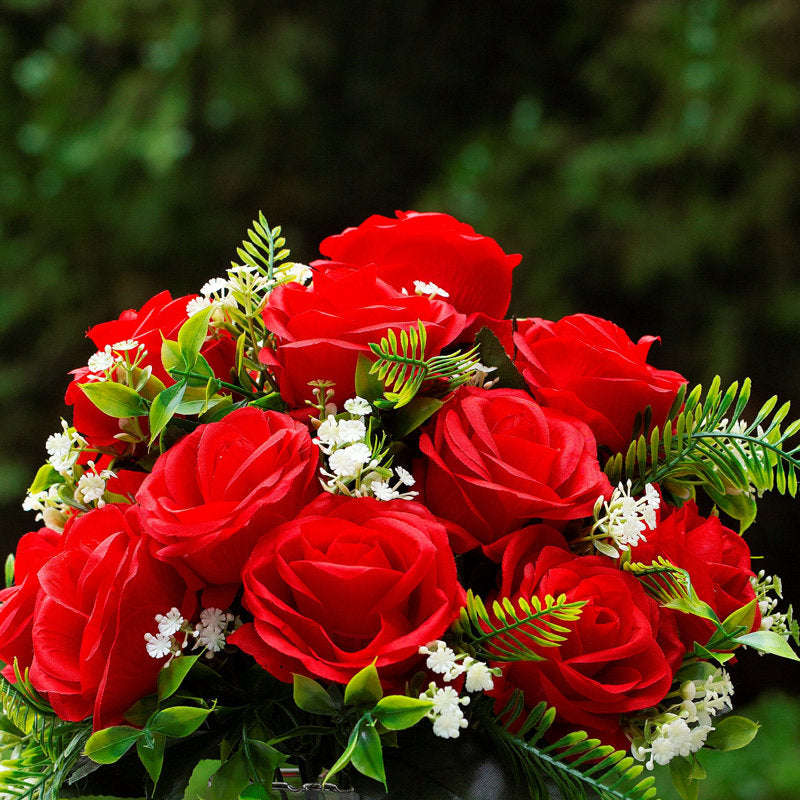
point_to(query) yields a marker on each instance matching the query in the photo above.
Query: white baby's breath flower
(170, 623)
(101, 361)
(449, 725)
(126, 344)
(357, 406)
(92, 487)
(351, 430)
(349, 460)
(431, 289)
(215, 285)
(196, 305)
(158, 646)
(405, 477)
(479, 677)
(215, 618)
(382, 491)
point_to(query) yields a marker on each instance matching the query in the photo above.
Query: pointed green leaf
(164, 407)
(492, 354)
(198, 787)
(310, 696)
(367, 755)
(742, 617)
(364, 688)
(115, 399)
(9, 570)
(171, 356)
(768, 642)
(368, 385)
(192, 335)
(171, 676)
(397, 712)
(46, 476)
(110, 744)
(414, 414)
(152, 757)
(732, 733)
(680, 770)
(178, 721)
(344, 758)
(230, 779)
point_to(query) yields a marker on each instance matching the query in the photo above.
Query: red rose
(496, 459)
(159, 318)
(589, 368)
(323, 329)
(717, 560)
(212, 495)
(432, 248)
(349, 581)
(619, 656)
(18, 601)
(97, 599)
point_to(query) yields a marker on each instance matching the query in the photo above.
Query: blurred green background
(643, 155)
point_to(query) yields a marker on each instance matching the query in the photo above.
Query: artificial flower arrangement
(314, 514)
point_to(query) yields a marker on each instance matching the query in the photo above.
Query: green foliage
(403, 368)
(40, 750)
(573, 763)
(706, 444)
(264, 249)
(511, 632)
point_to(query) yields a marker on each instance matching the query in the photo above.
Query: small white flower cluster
(245, 287)
(64, 449)
(446, 714)
(624, 519)
(209, 634)
(92, 485)
(773, 620)
(353, 466)
(429, 289)
(102, 365)
(683, 729)
(50, 508)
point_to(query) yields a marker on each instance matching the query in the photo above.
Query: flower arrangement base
(430, 768)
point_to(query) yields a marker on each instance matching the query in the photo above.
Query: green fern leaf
(706, 444)
(515, 633)
(577, 765)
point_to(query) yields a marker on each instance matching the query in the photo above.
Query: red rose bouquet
(315, 514)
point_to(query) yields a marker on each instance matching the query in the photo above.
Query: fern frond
(403, 368)
(46, 748)
(264, 248)
(510, 633)
(706, 444)
(574, 764)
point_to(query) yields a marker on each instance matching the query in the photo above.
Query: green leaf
(732, 733)
(412, 415)
(368, 384)
(230, 779)
(171, 356)
(768, 642)
(255, 791)
(115, 399)
(690, 605)
(9, 570)
(171, 676)
(344, 758)
(198, 787)
(110, 744)
(742, 617)
(46, 476)
(397, 712)
(163, 408)
(178, 721)
(493, 354)
(364, 688)
(192, 336)
(367, 755)
(680, 770)
(152, 757)
(311, 697)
